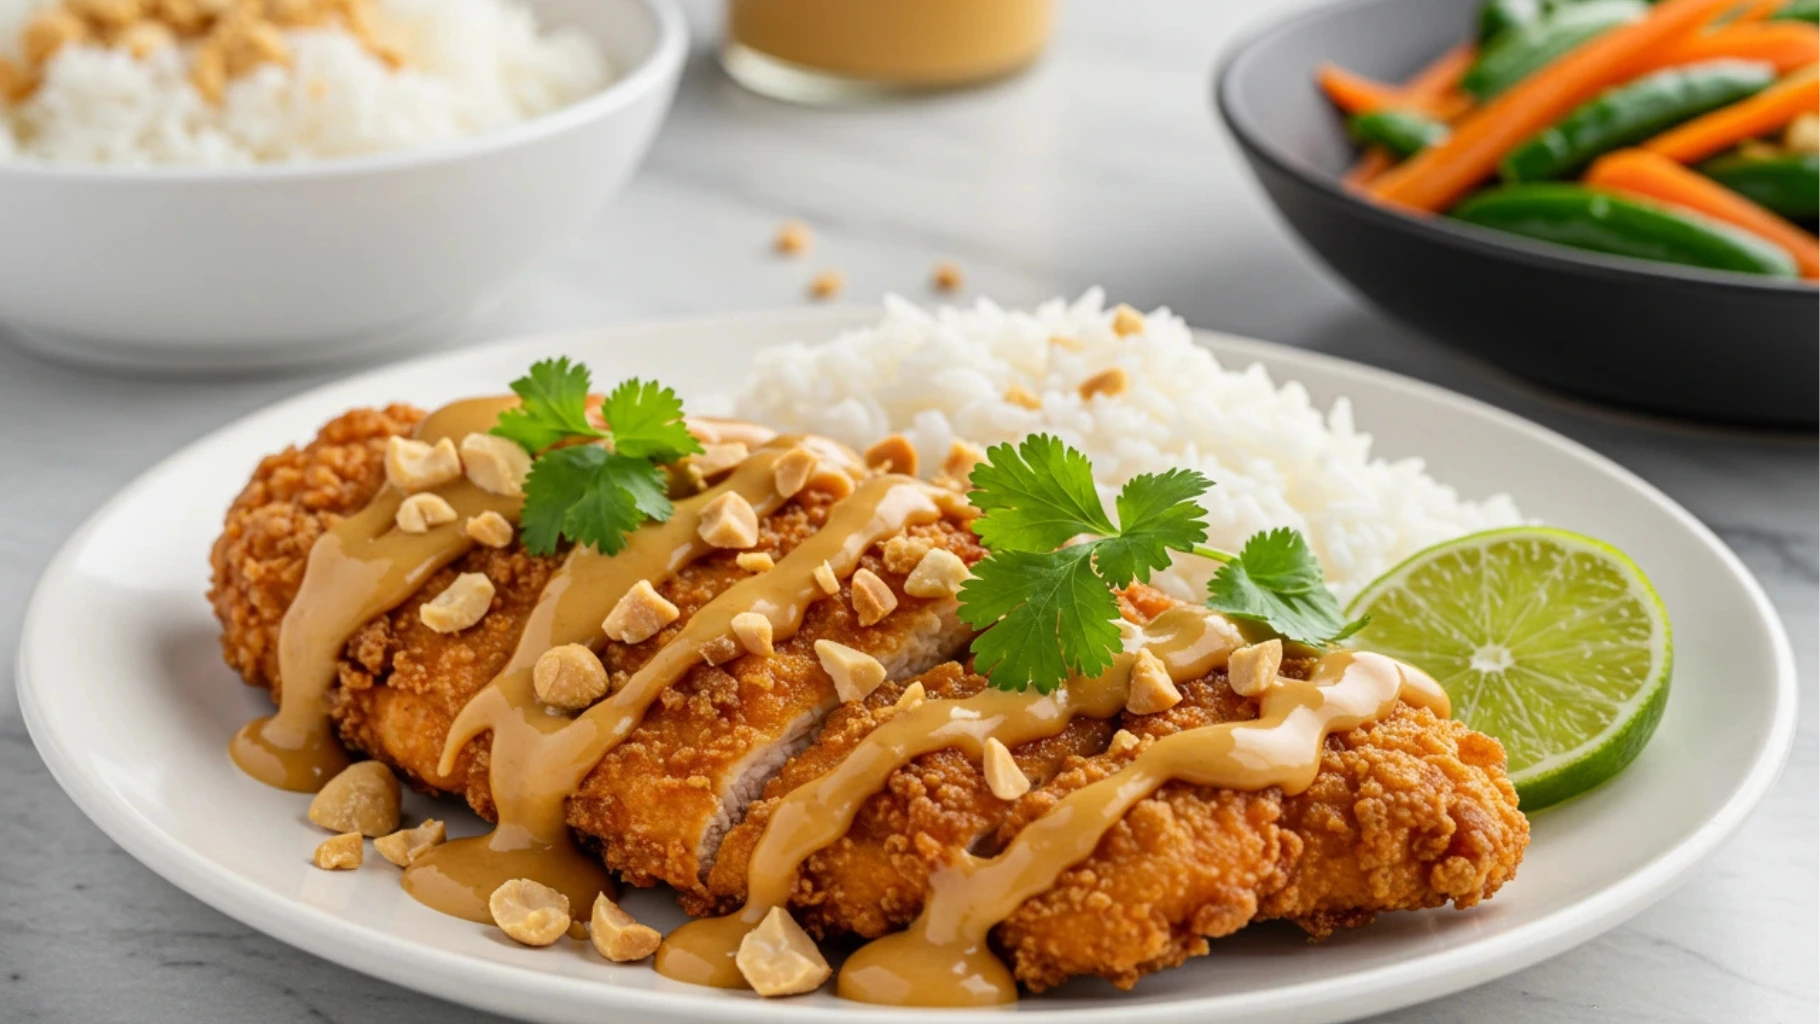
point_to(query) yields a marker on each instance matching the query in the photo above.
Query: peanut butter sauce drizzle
(1190, 641)
(539, 759)
(361, 567)
(943, 959)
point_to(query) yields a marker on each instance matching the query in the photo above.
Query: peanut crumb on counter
(793, 238)
(827, 284)
(946, 277)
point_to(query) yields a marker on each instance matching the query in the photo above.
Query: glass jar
(819, 51)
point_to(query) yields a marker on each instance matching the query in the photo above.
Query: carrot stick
(1356, 94)
(1374, 163)
(1442, 76)
(1652, 176)
(1761, 114)
(1437, 177)
(1787, 45)
(1429, 92)
(1755, 11)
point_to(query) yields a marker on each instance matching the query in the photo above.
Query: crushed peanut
(827, 284)
(1151, 688)
(961, 459)
(1122, 741)
(412, 465)
(1111, 382)
(1127, 321)
(639, 615)
(779, 959)
(892, 454)
(873, 598)
(1252, 670)
(462, 604)
(496, 465)
(729, 521)
(618, 936)
(530, 912)
(755, 561)
(363, 798)
(232, 38)
(825, 579)
(341, 853)
(404, 846)
(490, 529)
(793, 470)
(569, 677)
(941, 573)
(793, 238)
(753, 631)
(1063, 341)
(715, 459)
(419, 512)
(903, 552)
(947, 277)
(913, 695)
(855, 673)
(1006, 780)
(1016, 395)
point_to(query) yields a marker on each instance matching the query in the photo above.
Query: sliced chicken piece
(872, 880)
(664, 799)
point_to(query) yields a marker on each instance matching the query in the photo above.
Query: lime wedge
(1552, 642)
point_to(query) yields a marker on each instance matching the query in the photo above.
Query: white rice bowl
(471, 66)
(1276, 460)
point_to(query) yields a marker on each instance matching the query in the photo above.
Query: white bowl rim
(662, 63)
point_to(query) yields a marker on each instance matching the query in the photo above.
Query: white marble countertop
(1104, 165)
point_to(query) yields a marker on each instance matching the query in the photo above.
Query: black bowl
(1651, 336)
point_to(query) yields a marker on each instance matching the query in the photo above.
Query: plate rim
(490, 985)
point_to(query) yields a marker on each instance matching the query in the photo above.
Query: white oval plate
(123, 688)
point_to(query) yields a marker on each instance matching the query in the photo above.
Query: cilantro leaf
(1050, 609)
(1036, 497)
(597, 491)
(1050, 614)
(1276, 580)
(591, 496)
(1157, 514)
(554, 406)
(647, 422)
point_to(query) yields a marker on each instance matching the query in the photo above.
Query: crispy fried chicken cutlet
(662, 800)
(1407, 812)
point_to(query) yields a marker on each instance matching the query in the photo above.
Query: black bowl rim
(1495, 243)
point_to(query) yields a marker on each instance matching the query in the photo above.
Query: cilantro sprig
(1044, 594)
(592, 484)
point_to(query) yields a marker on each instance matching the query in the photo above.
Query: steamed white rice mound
(1275, 459)
(471, 66)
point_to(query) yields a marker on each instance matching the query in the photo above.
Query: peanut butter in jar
(830, 50)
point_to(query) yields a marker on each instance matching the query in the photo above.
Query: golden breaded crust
(872, 879)
(258, 561)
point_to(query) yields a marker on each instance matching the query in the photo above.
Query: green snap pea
(1403, 132)
(1526, 48)
(1784, 183)
(1798, 10)
(1631, 113)
(1583, 218)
